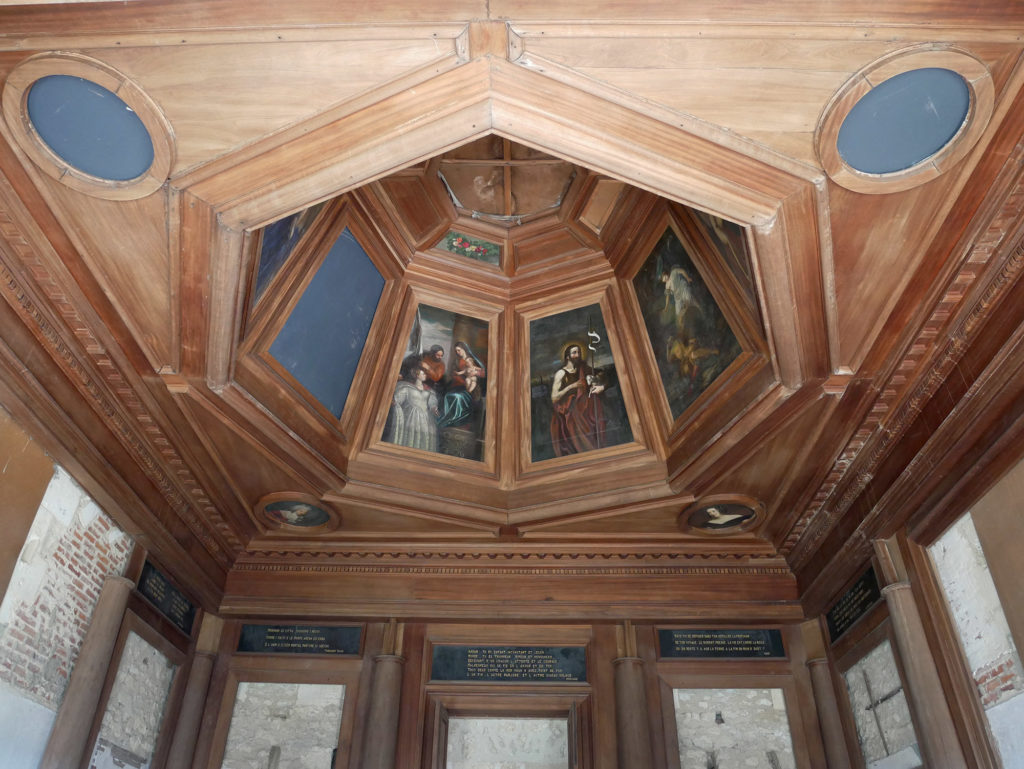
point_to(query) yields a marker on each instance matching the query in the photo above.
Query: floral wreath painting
(474, 248)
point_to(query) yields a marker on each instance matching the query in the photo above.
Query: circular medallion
(721, 514)
(294, 511)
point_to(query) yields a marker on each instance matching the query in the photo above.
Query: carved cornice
(956, 318)
(526, 571)
(39, 295)
(513, 563)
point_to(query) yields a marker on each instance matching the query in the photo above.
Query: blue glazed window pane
(904, 120)
(322, 339)
(89, 127)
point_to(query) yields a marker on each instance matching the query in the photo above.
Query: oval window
(904, 120)
(89, 127)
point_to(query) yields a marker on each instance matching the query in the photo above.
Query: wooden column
(70, 736)
(836, 754)
(186, 730)
(631, 719)
(380, 737)
(936, 732)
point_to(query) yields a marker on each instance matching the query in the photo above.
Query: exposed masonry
(880, 710)
(726, 728)
(284, 726)
(508, 743)
(135, 707)
(70, 549)
(999, 682)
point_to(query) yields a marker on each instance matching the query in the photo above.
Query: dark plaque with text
(688, 644)
(299, 639)
(853, 604)
(510, 664)
(167, 599)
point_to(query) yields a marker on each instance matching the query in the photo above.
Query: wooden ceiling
(878, 385)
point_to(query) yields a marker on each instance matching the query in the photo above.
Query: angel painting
(690, 337)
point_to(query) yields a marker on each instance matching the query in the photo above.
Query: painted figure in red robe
(578, 422)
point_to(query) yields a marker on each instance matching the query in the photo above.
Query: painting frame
(737, 513)
(689, 325)
(488, 315)
(283, 512)
(537, 375)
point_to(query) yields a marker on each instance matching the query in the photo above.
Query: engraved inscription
(720, 643)
(299, 639)
(509, 664)
(853, 604)
(168, 600)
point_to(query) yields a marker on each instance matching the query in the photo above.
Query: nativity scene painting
(690, 336)
(575, 401)
(440, 396)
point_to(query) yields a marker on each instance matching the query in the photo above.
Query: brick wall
(999, 681)
(71, 547)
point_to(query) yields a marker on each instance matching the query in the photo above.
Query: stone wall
(984, 635)
(880, 711)
(284, 726)
(135, 708)
(732, 729)
(72, 546)
(508, 743)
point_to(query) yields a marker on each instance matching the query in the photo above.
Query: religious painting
(297, 513)
(575, 401)
(294, 510)
(690, 336)
(439, 397)
(729, 240)
(279, 238)
(720, 517)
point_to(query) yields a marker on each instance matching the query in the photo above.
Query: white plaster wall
(301, 720)
(881, 713)
(1007, 723)
(984, 635)
(508, 743)
(24, 729)
(732, 728)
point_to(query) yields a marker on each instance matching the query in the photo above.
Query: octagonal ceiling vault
(395, 206)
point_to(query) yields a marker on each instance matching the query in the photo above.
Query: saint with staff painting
(576, 403)
(577, 423)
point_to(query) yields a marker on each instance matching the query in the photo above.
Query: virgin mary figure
(467, 384)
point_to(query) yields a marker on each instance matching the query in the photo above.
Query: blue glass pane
(322, 339)
(89, 127)
(904, 120)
